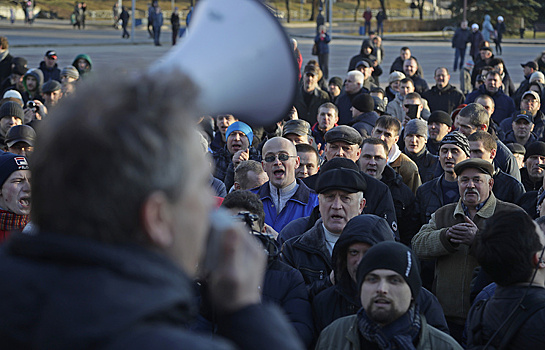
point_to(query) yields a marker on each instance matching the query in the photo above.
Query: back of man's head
(95, 164)
(476, 113)
(482, 136)
(246, 201)
(507, 246)
(248, 174)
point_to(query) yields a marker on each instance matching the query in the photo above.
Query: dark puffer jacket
(343, 299)
(446, 99)
(66, 292)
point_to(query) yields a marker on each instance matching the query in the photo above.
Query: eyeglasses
(281, 157)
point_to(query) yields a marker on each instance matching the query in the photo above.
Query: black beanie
(11, 109)
(392, 256)
(458, 139)
(440, 117)
(336, 81)
(10, 163)
(363, 103)
(535, 149)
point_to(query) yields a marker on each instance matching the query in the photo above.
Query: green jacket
(455, 262)
(343, 335)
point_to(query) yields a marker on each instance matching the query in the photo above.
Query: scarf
(400, 334)
(10, 222)
(4, 54)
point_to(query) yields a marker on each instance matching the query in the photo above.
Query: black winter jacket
(446, 99)
(66, 292)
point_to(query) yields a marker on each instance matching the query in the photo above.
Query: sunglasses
(281, 157)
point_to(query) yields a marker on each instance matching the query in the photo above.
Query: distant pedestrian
(487, 29)
(151, 10)
(499, 30)
(461, 37)
(322, 40)
(175, 22)
(124, 17)
(476, 41)
(188, 17)
(320, 21)
(83, 9)
(157, 23)
(116, 13)
(77, 15)
(367, 16)
(381, 17)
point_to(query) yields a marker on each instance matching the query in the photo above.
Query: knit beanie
(440, 117)
(535, 149)
(9, 163)
(70, 72)
(363, 103)
(417, 127)
(336, 81)
(12, 95)
(243, 127)
(458, 139)
(393, 256)
(537, 76)
(11, 109)
(395, 76)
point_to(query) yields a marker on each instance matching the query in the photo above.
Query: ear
(156, 216)
(493, 153)
(362, 204)
(297, 162)
(236, 185)
(491, 183)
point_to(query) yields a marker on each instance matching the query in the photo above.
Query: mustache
(472, 191)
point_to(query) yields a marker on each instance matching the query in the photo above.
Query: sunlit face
(337, 207)
(415, 143)
(522, 128)
(532, 166)
(7, 122)
(223, 122)
(50, 61)
(351, 86)
(385, 296)
(21, 148)
(343, 150)
(406, 88)
(410, 67)
(485, 54)
(477, 150)
(441, 77)
(15, 193)
(308, 165)
(297, 139)
(390, 136)
(373, 160)
(237, 141)
(529, 103)
(464, 126)
(487, 103)
(474, 187)
(499, 68)
(31, 83)
(405, 54)
(52, 98)
(437, 131)
(310, 81)
(280, 173)
(354, 254)
(327, 118)
(493, 83)
(449, 156)
(395, 85)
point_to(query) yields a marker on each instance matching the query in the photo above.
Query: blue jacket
(298, 206)
(504, 105)
(323, 46)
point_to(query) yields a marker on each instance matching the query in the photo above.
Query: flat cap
(344, 179)
(474, 163)
(344, 133)
(298, 127)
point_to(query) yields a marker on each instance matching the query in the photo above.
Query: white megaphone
(239, 56)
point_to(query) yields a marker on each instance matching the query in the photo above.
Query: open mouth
(381, 302)
(337, 217)
(279, 173)
(24, 202)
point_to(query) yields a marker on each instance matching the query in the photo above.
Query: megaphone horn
(240, 57)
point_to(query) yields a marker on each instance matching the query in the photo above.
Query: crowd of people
(396, 217)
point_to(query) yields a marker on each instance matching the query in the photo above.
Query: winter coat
(461, 38)
(504, 105)
(308, 253)
(53, 73)
(299, 205)
(343, 334)
(506, 187)
(420, 85)
(343, 298)
(310, 112)
(429, 198)
(426, 162)
(322, 43)
(365, 123)
(487, 28)
(530, 334)
(76, 293)
(476, 40)
(446, 99)
(454, 266)
(344, 103)
(408, 170)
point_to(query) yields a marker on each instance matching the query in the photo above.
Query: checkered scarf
(10, 222)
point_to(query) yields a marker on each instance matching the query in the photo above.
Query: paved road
(108, 50)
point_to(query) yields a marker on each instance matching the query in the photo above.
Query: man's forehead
(475, 144)
(383, 130)
(326, 110)
(385, 273)
(359, 245)
(412, 102)
(373, 150)
(451, 147)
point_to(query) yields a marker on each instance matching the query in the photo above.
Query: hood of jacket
(69, 292)
(38, 75)
(85, 57)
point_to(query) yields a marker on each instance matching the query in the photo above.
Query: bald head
(281, 172)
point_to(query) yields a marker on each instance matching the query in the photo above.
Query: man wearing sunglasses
(284, 198)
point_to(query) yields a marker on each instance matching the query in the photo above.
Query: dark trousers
(175, 31)
(323, 61)
(367, 27)
(459, 54)
(156, 35)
